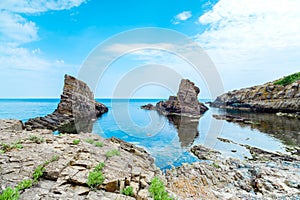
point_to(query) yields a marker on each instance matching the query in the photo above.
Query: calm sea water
(168, 139)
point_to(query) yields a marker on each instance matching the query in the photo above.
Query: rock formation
(184, 104)
(270, 97)
(75, 112)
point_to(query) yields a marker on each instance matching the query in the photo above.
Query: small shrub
(10, 194)
(99, 144)
(113, 152)
(128, 191)
(24, 184)
(216, 165)
(75, 142)
(89, 140)
(38, 173)
(99, 167)
(6, 147)
(157, 190)
(36, 139)
(18, 146)
(95, 179)
(54, 158)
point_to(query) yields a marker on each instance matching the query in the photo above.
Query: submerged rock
(184, 104)
(75, 112)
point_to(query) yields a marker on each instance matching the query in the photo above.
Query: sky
(250, 42)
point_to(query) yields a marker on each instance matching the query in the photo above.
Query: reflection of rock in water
(283, 128)
(187, 129)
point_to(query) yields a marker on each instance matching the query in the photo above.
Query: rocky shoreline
(268, 176)
(37, 164)
(269, 97)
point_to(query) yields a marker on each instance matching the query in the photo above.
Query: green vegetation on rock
(24, 184)
(98, 144)
(75, 142)
(38, 173)
(128, 191)
(96, 177)
(288, 79)
(89, 140)
(36, 139)
(113, 152)
(10, 194)
(8, 147)
(13, 193)
(158, 191)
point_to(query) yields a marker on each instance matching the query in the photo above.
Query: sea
(169, 139)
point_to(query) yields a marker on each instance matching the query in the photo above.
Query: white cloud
(16, 30)
(36, 6)
(183, 16)
(252, 41)
(252, 24)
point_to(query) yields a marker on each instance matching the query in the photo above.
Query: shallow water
(168, 139)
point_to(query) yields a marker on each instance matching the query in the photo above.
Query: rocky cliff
(269, 97)
(185, 103)
(75, 112)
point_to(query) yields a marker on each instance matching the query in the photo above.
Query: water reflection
(187, 129)
(283, 128)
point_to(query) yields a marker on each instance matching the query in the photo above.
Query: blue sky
(250, 42)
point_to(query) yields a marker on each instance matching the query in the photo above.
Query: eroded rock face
(264, 98)
(74, 113)
(271, 177)
(184, 104)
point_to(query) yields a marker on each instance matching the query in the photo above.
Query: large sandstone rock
(184, 104)
(263, 98)
(75, 112)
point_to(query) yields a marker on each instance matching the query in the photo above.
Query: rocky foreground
(276, 96)
(68, 159)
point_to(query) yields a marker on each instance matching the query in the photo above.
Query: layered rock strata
(269, 97)
(184, 104)
(68, 165)
(75, 111)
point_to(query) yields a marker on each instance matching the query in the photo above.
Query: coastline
(67, 176)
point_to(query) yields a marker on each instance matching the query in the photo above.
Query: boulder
(75, 112)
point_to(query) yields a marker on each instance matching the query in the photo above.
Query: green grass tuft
(24, 184)
(113, 152)
(158, 191)
(288, 79)
(99, 167)
(128, 191)
(36, 139)
(75, 142)
(89, 140)
(10, 194)
(95, 179)
(98, 144)
(38, 173)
